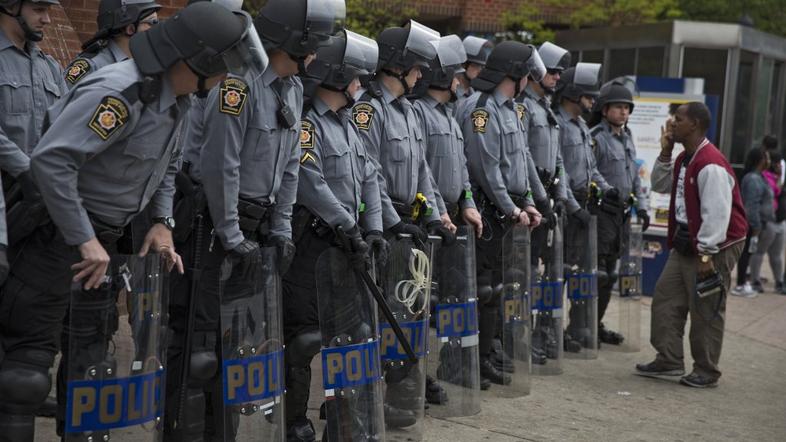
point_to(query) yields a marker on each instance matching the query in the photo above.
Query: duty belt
(252, 216)
(106, 234)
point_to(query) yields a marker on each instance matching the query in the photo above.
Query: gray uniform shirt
(336, 175)
(246, 153)
(445, 153)
(543, 138)
(193, 132)
(495, 143)
(580, 167)
(108, 154)
(29, 83)
(87, 63)
(389, 130)
(616, 158)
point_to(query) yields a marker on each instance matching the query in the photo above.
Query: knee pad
(203, 365)
(485, 293)
(23, 388)
(302, 348)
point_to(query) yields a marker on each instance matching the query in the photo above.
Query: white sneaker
(745, 291)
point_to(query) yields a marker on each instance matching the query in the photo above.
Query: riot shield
(252, 351)
(407, 285)
(351, 367)
(629, 295)
(115, 355)
(453, 348)
(546, 303)
(581, 276)
(515, 332)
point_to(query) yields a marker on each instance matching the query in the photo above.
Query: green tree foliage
(767, 15)
(524, 24)
(617, 12)
(370, 17)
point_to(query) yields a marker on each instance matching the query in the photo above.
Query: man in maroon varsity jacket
(707, 229)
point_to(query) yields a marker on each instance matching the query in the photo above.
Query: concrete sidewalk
(602, 400)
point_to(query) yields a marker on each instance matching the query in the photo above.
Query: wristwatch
(705, 258)
(167, 221)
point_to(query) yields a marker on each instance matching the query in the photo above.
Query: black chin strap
(301, 63)
(201, 90)
(345, 91)
(401, 78)
(546, 90)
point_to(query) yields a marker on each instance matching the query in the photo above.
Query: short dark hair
(775, 159)
(699, 112)
(753, 158)
(769, 142)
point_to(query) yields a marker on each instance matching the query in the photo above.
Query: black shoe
(696, 380)
(48, 408)
(500, 359)
(435, 394)
(404, 394)
(302, 430)
(655, 368)
(538, 356)
(485, 383)
(490, 372)
(570, 345)
(608, 336)
(398, 418)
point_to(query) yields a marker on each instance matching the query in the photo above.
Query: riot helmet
(404, 48)
(348, 56)
(209, 38)
(615, 91)
(477, 49)
(554, 57)
(232, 5)
(578, 81)
(115, 15)
(511, 59)
(449, 62)
(299, 27)
(30, 34)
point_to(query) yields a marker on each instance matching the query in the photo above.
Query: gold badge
(306, 135)
(362, 115)
(110, 115)
(76, 70)
(521, 110)
(233, 94)
(480, 119)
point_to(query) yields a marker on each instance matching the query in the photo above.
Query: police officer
(384, 118)
(615, 154)
(338, 182)
(118, 21)
(576, 93)
(30, 81)
(444, 140)
(478, 50)
(134, 107)
(500, 167)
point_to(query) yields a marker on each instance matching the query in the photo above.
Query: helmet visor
(361, 53)
(537, 70)
(586, 74)
(418, 40)
(247, 54)
(322, 16)
(554, 57)
(450, 51)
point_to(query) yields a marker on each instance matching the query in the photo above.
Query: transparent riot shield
(515, 332)
(351, 367)
(115, 355)
(251, 342)
(581, 277)
(546, 303)
(453, 347)
(629, 296)
(407, 285)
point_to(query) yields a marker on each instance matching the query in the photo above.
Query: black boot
(398, 418)
(488, 371)
(301, 430)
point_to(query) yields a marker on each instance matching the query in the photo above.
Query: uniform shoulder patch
(363, 115)
(521, 111)
(110, 115)
(480, 119)
(232, 96)
(307, 132)
(76, 70)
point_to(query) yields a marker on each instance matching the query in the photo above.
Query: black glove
(582, 216)
(644, 217)
(611, 202)
(612, 194)
(285, 252)
(248, 256)
(559, 207)
(403, 228)
(29, 188)
(436, 228)
(358, 249)
(549, 218)
(379, 247)
(4, 267)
